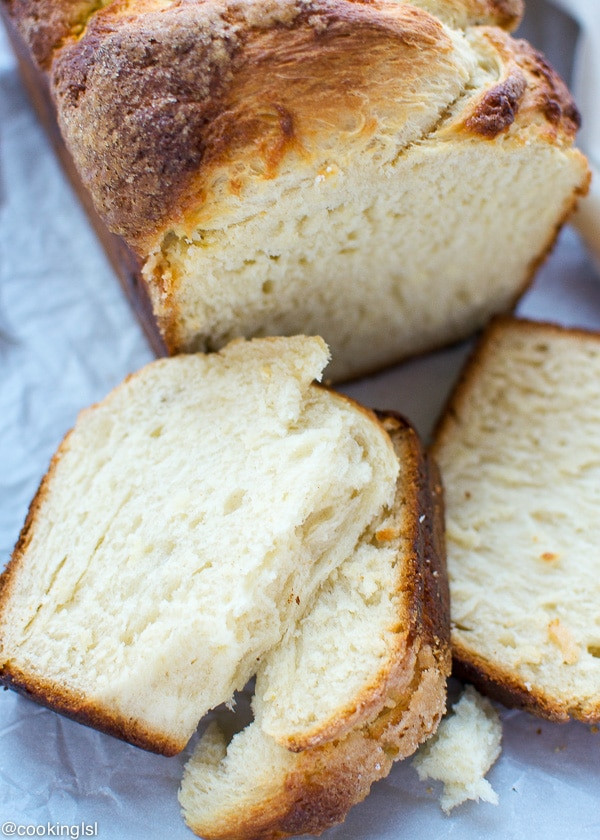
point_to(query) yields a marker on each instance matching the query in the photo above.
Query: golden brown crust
(529, 93)
(497, 109)
(461, 13)
(152, 100)
(324, 784)
(508, 689)
(84, 711)
(125, 263)
(430, 609)
(551, 96)
(326, 781)
(431, 613)
(46, 24)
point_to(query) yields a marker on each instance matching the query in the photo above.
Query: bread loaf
(359, 683)
(386, 174)
(519, 452)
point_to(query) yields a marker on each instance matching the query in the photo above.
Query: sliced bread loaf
(519, 451)
(345, 168)
(358, 683)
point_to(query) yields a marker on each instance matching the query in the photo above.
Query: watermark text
(74, 831)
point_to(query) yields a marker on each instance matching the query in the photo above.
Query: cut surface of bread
(182, 528)
(359, 683)
(519, 452)
(328, 167)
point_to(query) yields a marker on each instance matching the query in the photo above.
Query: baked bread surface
(518, 449)
(326, 167)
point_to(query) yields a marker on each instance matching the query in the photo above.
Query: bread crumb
(462, 751)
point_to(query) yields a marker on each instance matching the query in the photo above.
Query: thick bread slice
(359, 643)
(336, 167)
(252, 787)
(183, 527)
(519, 451)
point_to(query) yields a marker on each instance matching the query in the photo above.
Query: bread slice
(519, 452)
(336, 167)
(359, 683)
(181, 532)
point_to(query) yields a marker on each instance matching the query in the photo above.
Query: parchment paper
(67, 336)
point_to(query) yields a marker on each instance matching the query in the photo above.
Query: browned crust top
(154, 94)
(530, 88)
(46, 24)
(151, 97)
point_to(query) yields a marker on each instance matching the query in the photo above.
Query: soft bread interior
(338, 665)
(259, 277)
(315, 679)
(184, 526)
(519, 452)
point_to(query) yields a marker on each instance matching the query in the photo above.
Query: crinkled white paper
(67, 336)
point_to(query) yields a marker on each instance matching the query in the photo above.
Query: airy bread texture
(359, 683)
(519, 452)
(339, 167)
(462, 751)
(181, 531)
